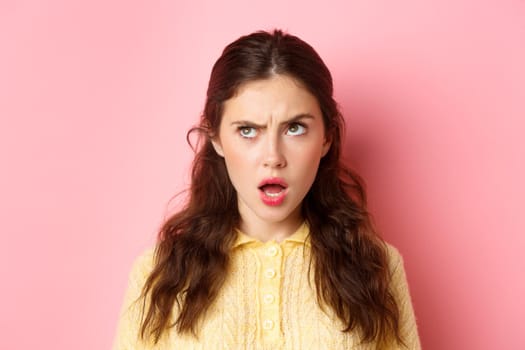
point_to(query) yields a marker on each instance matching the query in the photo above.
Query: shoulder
(394, 259)
(142, 265)
(401, 293)
(398, 281)
(393, 255)
(128, 330)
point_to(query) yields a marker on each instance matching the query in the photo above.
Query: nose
(274, 157)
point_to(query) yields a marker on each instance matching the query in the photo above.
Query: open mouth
(273, 191)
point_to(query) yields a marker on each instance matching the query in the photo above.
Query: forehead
(279, 96)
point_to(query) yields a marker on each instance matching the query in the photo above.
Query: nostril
(274, 162)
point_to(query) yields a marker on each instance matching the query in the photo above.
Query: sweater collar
(300, 236)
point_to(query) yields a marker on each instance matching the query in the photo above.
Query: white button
(270, 273)
(268, 298)
(268, 324)
(272, 251)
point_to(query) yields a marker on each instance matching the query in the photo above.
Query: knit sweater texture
(267, 302)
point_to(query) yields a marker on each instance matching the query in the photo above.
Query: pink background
(96, 98)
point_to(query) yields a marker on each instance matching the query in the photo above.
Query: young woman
(275, 248)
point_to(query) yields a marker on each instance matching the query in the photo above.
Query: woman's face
(272, 139)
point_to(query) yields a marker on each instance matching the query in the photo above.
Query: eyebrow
(288, 121)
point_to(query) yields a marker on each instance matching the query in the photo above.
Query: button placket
(272, 251)
(268, 298)
(269, 273)
(270, 256)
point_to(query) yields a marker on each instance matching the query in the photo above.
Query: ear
(216, 142)
(326, 146)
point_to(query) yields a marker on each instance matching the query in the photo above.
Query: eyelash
(300, 125)
(242, 128)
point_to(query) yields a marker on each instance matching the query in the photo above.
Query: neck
(265, 231)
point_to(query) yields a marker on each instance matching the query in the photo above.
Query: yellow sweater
(267, 302)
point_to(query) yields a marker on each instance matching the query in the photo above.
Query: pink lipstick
(273, 191)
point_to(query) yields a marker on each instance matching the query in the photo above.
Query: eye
(247, 132)
(296, 129)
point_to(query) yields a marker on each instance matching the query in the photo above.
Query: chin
(275, 215)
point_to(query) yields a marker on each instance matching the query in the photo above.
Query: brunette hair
(192, 254)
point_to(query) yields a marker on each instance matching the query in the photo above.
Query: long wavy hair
(192, 255)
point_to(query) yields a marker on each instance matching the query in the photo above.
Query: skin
(271, 128)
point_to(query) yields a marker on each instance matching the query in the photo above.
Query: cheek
(307, 161)
(238, 161)
(307, 155)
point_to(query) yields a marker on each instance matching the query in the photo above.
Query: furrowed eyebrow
(248, 123)
(298, 117)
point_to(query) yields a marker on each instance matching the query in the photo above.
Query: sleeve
(127, 336)
(408, 325)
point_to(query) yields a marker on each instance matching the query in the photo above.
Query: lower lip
(273, 200)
